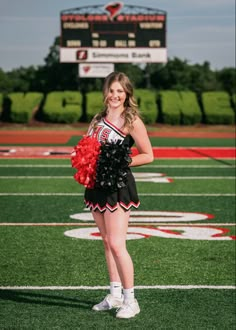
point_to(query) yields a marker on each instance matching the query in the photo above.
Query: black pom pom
(113, 164)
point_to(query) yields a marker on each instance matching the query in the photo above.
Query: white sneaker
(128, 310)
(109, 302)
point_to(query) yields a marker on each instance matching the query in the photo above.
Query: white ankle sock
(128, 294)
(115, 289)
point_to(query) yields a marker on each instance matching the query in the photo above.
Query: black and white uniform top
(102, 199)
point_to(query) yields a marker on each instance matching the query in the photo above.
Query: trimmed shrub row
(217, 108)
(183, 108)
(1, 102)
(63, 107)
(94, 104)
(168, 107)
(147, 105)
(178, 108)
(22, 106)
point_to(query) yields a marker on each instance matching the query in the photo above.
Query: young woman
(118, 123)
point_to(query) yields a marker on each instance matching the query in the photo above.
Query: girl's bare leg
(111, 264)
(116, 225)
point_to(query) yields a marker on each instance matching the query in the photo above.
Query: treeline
(177, 74)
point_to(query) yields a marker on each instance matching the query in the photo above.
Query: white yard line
(203, 177)
(35, 165)
(70, 177)
(146, 166)
(36, 177)
(42, 194)
(162, 287)
(140, 194)
(191, 166)
(92, 223)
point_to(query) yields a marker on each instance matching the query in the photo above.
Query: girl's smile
(116, 96)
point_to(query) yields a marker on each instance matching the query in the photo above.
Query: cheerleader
(110, 186)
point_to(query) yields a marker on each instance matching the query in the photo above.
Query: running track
(12, 138)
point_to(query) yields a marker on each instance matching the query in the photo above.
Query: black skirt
(102, 199)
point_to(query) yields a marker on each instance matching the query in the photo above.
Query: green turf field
(181, 239)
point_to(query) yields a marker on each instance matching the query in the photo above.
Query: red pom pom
(84, 158)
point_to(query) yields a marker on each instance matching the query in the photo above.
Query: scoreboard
(130, 31)
(127, 37)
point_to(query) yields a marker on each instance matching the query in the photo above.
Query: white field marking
(140, 194)
(140, 287)
(93, 224)
(31, 165)
(141, 232)
(145, 177)
(35, 177)
(143, 166)
(203, 177)
(190, 166)
(41, 194)
(140, 177)
(155, 178)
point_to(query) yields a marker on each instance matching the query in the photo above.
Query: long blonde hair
(131, 107)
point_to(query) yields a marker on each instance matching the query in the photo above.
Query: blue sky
(197, 31)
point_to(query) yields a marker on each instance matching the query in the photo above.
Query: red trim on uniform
(136, 205)
(96, 206)
(114, 127)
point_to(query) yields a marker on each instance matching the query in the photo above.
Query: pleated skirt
(103, 199)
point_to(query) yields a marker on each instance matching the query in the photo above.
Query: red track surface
(13, 137)
(62, 137)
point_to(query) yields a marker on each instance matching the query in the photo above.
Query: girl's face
(116, 96)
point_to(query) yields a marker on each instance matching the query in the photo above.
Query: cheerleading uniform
(101, 199)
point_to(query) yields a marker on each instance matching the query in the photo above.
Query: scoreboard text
(128, 30)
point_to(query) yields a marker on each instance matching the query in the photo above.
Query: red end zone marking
(192, 153)
(169, 153)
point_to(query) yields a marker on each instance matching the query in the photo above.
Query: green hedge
(23, 106)
(62, 107)
(190, 111)
(1, 100)
(169, 107)
(147, 105)
(179, 108)
(217, 108)
(233, 100)
(94, 104)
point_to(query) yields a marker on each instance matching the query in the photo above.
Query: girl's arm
(143, 144)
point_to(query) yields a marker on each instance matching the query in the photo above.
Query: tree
(5, 82)
(134, 72)
(227, 78)
(56, 75)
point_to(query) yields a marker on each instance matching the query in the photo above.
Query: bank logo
(82, 55)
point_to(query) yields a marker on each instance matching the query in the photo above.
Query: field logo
(162, 224)
(179, 232)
